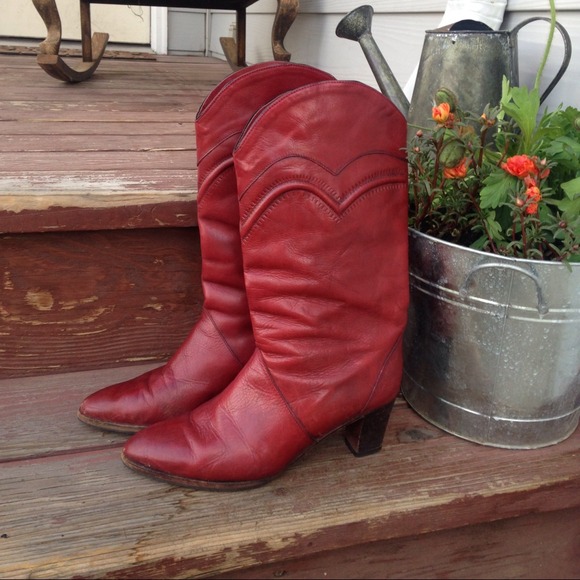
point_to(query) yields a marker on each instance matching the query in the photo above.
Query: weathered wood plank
(37, 413)
(114, 77)
(48, 201)
(162, 91)
(99, 160)
(94, 115)
(103, 127)
(89, 143)
(84, 514)
(159, 181)
(144, 103)
(94, 299)
(68, 213)
(112, 92)
(499, 549)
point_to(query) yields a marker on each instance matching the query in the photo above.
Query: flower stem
(548, 44)
(524, 235)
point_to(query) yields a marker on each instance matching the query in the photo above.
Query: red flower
(457, 172)
(520, 166)
(441, 112)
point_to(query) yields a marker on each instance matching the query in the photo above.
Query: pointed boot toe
(114, 408)
(241, 439)
(158, 451)
(178, 452)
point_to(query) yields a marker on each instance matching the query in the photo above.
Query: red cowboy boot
(222, 341)
(322, 182)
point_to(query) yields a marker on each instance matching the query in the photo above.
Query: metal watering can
(469, 63)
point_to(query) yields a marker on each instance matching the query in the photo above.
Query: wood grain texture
(107, 173)
(81, 300)
(499, 549)
(121, 151)
(37, 413)
(78, 512)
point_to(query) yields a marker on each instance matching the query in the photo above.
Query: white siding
(398, 28)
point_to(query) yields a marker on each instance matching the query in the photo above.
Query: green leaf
(571, 188)
(563, 145)
(493, 226)
(569, 207)
(522, 105)
(496, 190)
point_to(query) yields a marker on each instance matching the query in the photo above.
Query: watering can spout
(356, 25)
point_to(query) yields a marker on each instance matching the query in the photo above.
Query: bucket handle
(567, 50)
(542, 304)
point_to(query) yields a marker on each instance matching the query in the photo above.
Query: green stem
(548, 44)
(482, 221)
(524, 235)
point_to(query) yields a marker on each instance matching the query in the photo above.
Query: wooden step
(95, 299)
(117, 153)
(99, 247)
(429, 505)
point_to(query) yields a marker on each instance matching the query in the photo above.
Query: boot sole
(193, 483)
(107, 426)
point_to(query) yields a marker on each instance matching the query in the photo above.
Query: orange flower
(441, 112)
(457, 172)
(520, 166)
(533, 197)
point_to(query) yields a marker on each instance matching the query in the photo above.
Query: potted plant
(492, 349)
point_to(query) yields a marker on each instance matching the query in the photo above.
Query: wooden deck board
(80, 143)
(99, 160)
(111, 128)
(35, 401)
(96, 299)
(120, 142)
(77, 511)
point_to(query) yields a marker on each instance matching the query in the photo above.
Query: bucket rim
(488, 255)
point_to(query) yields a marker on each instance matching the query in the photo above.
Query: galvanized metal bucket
(492, 348)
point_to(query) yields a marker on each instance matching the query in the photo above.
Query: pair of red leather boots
(302, 210)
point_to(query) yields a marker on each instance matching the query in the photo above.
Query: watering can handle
(542, 305)
(567, 51)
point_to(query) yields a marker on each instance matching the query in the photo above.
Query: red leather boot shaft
(220, 122)
(322, 181)
(330, 205)
(222, 340)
